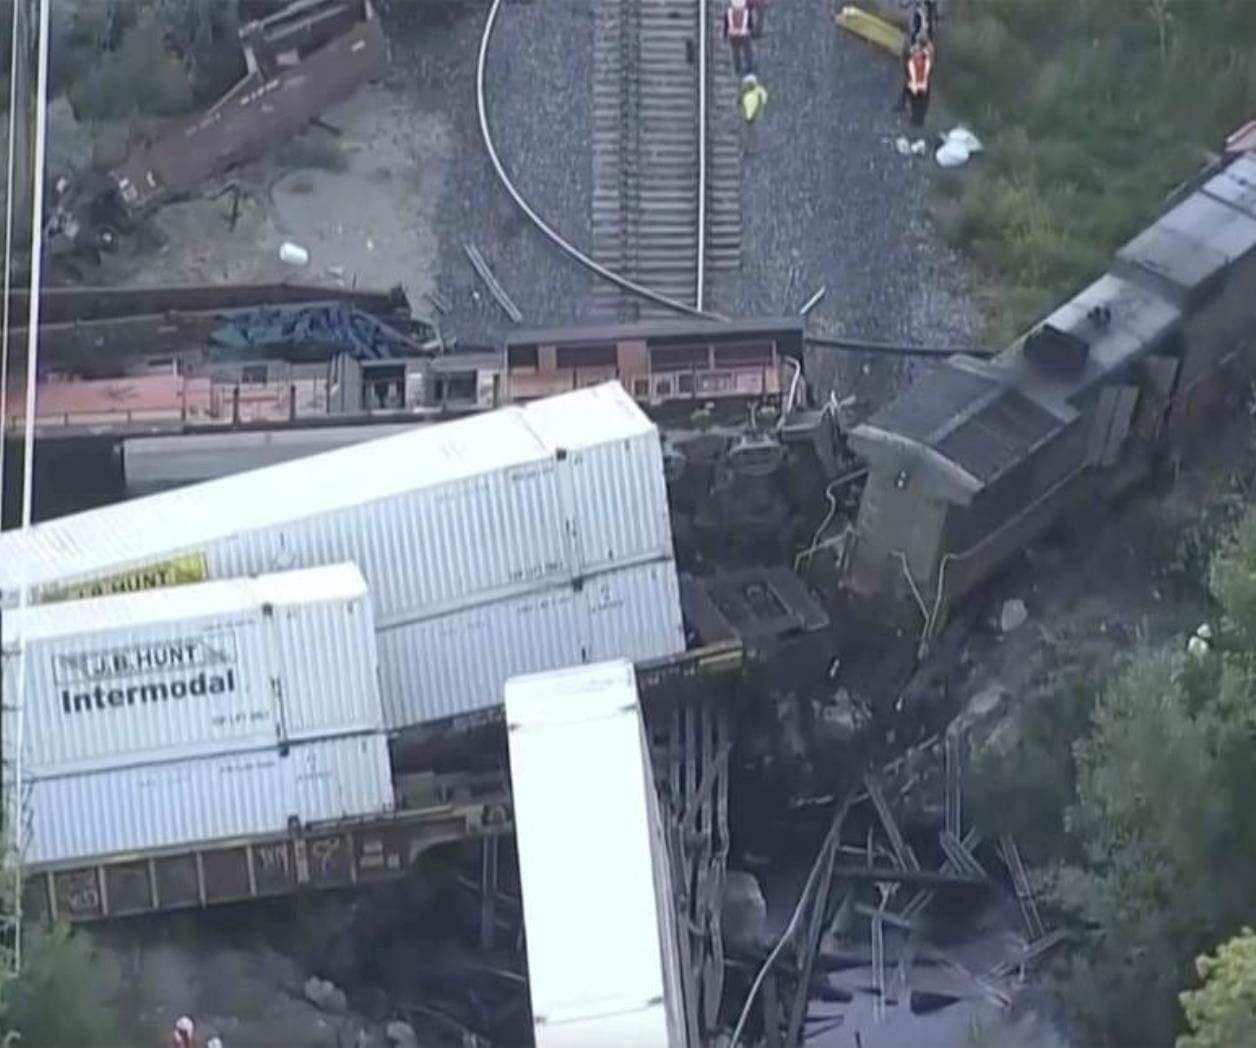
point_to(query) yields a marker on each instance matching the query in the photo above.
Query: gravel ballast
(828, 201)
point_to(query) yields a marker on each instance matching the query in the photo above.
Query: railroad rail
(666, 163)
(620, 280)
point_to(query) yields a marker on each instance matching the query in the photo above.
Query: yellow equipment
(872, 28)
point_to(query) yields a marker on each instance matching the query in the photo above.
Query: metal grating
(997, 436)
(930, 404)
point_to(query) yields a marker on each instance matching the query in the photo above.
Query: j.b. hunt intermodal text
(101, 697)
(210, 651)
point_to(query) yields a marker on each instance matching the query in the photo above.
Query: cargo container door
(273, 665)
(569, 463)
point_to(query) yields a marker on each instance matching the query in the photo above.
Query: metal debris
(813, 301)
(490, 281)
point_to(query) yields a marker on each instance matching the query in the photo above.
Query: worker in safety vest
(919, 66)
(184, 1032)
(922, 23)
(752, 98)
(737, 33)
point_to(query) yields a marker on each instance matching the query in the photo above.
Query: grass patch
(1091, 112)
(141, 77)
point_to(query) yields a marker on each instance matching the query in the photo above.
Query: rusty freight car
(670, 364)
(300, 61)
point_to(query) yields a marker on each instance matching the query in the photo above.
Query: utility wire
(28, 449)
(896, 349)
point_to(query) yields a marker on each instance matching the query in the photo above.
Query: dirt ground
(370, 225)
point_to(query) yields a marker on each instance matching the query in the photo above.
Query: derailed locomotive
(985, 455)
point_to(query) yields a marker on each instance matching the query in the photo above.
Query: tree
(1156, 854)
(1222, 1012)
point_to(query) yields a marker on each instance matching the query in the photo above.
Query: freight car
(984, 455)
(229, 366)
(671, 364)
(731, 622)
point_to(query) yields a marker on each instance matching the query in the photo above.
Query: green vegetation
(54, 1001)
(1222, 1013)
(1136, 799)
(119, 59)
(1091, 112)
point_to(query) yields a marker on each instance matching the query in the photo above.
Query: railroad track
(666, 156)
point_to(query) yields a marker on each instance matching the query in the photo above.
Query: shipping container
(459, 663)
(439, 518)
(193, 670)
(598, 909)
(74, 817)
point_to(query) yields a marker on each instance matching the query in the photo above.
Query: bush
(1091, 111)
(54, 1001)
(1144, 823)
(142, 77)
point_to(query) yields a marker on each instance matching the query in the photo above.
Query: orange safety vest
(919, 65)
(737, 23)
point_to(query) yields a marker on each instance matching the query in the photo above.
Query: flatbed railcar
(734, 621)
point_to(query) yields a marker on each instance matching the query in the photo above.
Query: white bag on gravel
(958, 145)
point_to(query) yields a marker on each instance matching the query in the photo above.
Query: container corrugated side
(438, 518)
(575, 760)
(208, 799)
(459, 663)
(618, 498)
(195, 670)
(476, 496)
(614, 480)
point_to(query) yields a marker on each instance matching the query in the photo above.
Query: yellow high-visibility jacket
(752, 101)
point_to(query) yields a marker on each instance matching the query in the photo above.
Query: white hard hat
(738, 4)
(749, 80)
(184, 1025)
(214, 1042)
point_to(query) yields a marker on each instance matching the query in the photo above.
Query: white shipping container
(599, 919)
(78, 817)
(438, 518)
(460, 662)
(194, 670)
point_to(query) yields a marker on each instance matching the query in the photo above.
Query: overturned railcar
(985, 455)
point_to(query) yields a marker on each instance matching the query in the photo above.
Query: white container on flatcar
(460, 662)
(439, 518)
(72, 818)
(598, 909)
(193, 670)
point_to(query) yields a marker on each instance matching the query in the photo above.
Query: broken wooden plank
(811, 944)
(961, 859)
(1020, 880)
(971, 839)
(1031, 953)
(902, 851)
(915, 877)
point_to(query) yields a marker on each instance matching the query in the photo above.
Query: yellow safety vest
(752, 101)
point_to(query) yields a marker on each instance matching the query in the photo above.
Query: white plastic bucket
(293, 254)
